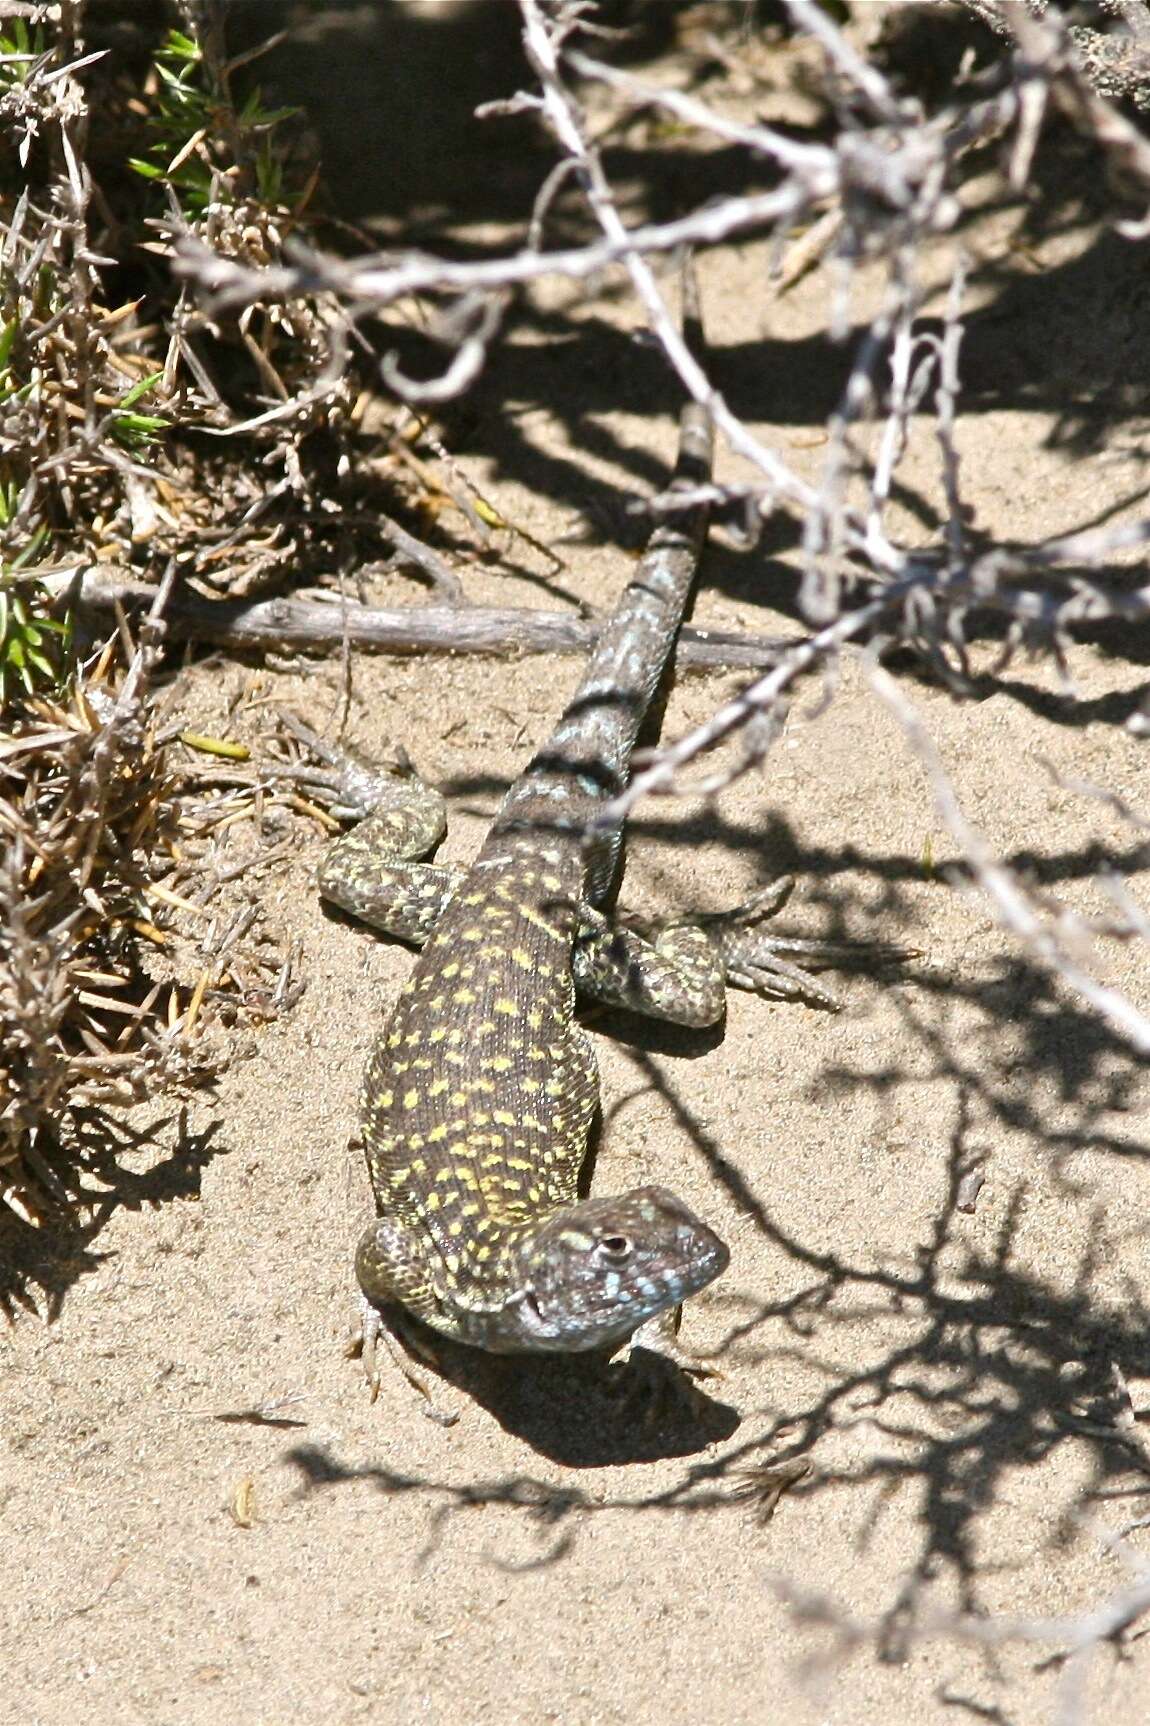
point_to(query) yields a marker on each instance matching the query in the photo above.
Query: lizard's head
(595, 1271)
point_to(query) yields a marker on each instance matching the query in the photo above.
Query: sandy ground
(171, 1556)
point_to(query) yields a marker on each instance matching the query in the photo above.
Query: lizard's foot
(681, 972)
(374, 1328)
(349, 785)
(658, 1382)
(656, 1391)
(781, 965)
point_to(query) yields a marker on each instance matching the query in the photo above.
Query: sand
(172, 1555)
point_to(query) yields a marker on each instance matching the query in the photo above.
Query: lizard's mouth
(563, 1333)
(534, 1317)
(555, 1332)
(577, 1333)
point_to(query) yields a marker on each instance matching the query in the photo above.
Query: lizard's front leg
(660, 1375)
(387, 1267)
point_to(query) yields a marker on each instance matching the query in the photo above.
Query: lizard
(480, 1093)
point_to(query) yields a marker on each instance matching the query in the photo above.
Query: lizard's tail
(627, 664)
(588, 757)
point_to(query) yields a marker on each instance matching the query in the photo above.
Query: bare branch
(301, 623)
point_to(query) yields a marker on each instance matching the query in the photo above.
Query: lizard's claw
(767, 902)
(657, 1390)
(658, 1379)
(781, 965)
(365, 1341)
(348, 784)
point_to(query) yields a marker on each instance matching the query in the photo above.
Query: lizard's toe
(373, 1328)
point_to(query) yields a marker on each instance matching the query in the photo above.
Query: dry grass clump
(116, 975)
(122, 963)
(89, 814)
(198, 452)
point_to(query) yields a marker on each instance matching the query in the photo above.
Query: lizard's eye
(617, 1248)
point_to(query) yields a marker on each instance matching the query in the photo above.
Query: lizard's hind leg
(370, 872)
(682, 972)
(373, 871)
(780, 966)
(677, 975)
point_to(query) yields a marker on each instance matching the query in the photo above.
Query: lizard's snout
(693, 1253)
(704, 1248)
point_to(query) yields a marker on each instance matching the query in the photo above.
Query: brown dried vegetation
(115, 976)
